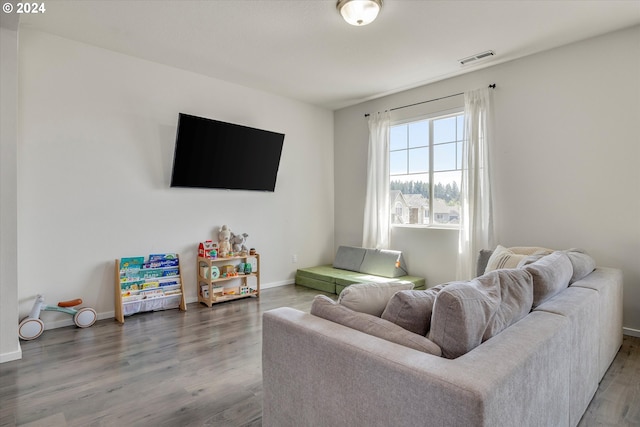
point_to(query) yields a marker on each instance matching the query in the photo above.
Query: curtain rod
(491, 86)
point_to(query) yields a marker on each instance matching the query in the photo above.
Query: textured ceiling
(302, 49)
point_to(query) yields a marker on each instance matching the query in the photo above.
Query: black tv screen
(214, 154)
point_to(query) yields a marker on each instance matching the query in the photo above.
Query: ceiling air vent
(477, 57)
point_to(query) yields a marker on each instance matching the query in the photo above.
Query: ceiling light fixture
(359, 12)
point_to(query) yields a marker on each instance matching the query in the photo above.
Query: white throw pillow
(503, 258)
(512, 257)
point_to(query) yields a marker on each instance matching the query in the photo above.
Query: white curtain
(476, 216)
(375, 233)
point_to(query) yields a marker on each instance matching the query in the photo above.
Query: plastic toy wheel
(85, 317)
(30, 329)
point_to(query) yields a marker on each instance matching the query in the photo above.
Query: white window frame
(431, 117)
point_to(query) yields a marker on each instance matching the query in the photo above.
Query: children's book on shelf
(147, 284)
(156, 276)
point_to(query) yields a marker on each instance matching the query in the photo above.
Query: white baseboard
(631, 332)
(276, 284)
(8, 357)
(111, 314)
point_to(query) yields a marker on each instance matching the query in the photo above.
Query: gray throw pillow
(371, 298)
(483, 260)
(551, 274)
(326, 308)
(411, 310)
(465, 314)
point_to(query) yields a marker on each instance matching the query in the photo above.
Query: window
(425, 159)
(399, 209)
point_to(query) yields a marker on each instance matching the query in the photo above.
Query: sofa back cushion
(581, 262)
(371, 298)
(465, 314)
(412, 310)
(551, 274)
(349, 258)
(383, 262)
(326, 308)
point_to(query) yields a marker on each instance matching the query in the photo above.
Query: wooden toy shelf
(213, 290)
(168, 292)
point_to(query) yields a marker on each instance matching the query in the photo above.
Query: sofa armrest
(608, 282)
(316, 372)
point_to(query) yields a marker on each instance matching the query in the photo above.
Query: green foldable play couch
(357, 265)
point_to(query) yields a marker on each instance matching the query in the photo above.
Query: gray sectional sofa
(542, 370)
(357, 265)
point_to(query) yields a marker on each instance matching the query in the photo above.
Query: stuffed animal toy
(224, 244)
(238, 241)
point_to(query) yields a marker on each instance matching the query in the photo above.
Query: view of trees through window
(450, 192)
(425, 159)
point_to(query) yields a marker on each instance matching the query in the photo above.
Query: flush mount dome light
(359, 12)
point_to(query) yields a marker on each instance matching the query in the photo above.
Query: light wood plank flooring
(199, 368)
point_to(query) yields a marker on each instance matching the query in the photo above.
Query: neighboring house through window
(400, 209)
(425, 170)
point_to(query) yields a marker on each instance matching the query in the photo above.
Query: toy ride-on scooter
(31, 327)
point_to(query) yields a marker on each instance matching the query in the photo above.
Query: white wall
(96, 139)
(565, 159)
(9, 346)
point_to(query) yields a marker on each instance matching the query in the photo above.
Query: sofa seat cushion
(465, 314)
(412, 309)
(551, 274)
(328, 309)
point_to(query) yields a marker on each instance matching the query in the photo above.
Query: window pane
(419, 160)
(398, 162)
(446, 202)
(398, 137)
(413, 146)
(418, 134)
(444, 157)
(412, 193)
(444, 130)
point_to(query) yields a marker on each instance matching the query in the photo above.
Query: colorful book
(163, 257)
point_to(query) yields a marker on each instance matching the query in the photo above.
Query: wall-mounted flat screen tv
(214, 154)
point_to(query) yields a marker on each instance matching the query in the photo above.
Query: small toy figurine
(224, 244)
(238, 242)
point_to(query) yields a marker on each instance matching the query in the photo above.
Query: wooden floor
(199, 368)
